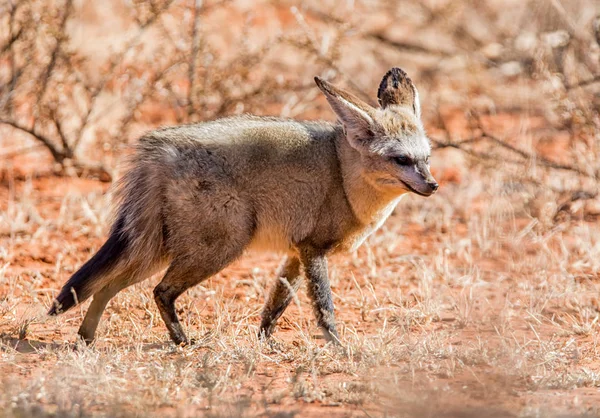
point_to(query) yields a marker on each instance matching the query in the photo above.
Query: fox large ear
(397, 89)
(356, 115)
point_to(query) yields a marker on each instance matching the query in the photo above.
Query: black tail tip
(54, 309)
(61, 305)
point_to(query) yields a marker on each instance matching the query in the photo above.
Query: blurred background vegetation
(505, 84)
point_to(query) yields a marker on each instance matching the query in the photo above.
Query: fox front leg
(281, 295)
(319, 291)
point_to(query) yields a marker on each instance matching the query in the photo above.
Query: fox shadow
(29, 346)
(26, 346)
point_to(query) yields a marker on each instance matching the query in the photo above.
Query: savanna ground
(481, 300)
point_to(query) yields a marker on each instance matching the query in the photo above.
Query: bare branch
(59, 129)
(142, 97)
(60, 38)
(407, 46)
(13, 38)
(14, 72)
(485, 135)
(574, 29)
(593, 80)
(56, 153)
(538, 158)
(194, 55)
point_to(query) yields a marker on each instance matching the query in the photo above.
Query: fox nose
(434, 186)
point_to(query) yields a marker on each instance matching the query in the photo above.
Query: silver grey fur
(195, 197)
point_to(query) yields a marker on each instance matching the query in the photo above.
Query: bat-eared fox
(195, 197)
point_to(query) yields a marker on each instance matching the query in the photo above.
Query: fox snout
(429, 187)
(426, 189)
(433, 186)
(417, 178)
(431, 183)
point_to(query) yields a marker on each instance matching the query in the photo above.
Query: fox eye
(403, 160)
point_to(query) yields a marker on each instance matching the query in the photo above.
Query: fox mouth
(412, 189)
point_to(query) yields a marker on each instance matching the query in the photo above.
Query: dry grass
(479, 301)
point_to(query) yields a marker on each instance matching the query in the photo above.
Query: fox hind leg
(88, 327)
(178, 278)
(191, 268)
(100, 300)
(208, 225)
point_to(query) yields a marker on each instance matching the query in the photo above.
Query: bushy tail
(136, 240)
(93, 275)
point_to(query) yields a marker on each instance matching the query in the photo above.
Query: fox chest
(360, 233)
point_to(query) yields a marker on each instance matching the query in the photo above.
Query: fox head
(390, 139)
